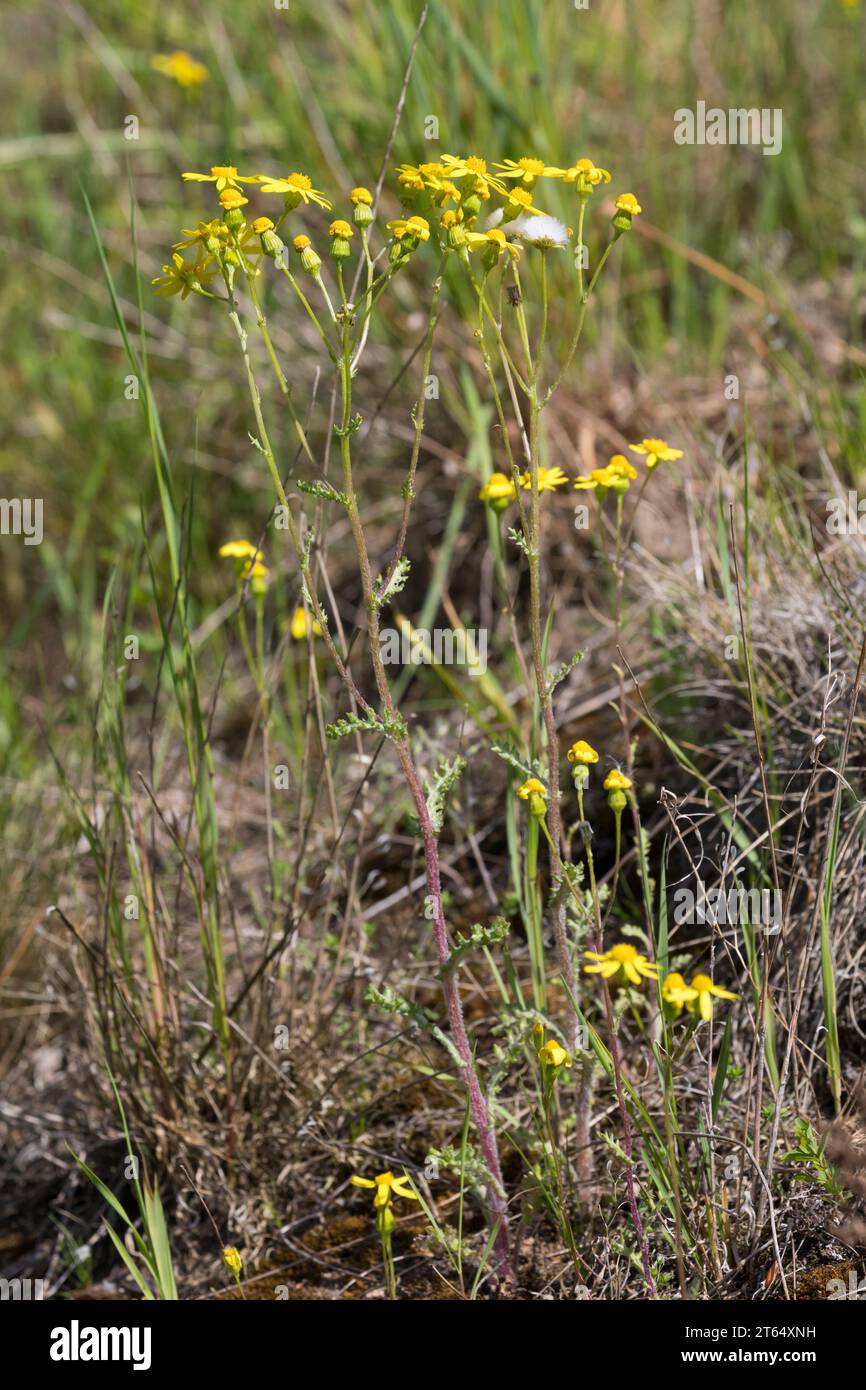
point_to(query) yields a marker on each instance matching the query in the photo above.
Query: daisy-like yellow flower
(656, 451)
(258, 575)
(231, 199)
(341, 229)
(262, 225)
(386, 1184)
(620, 467)
(185, 70)
(519, 204)
(549, 479)
(417, 177)
(553, 1054)
(582, 752)
(224, 176)
(239, 550)
(499, 491)
(621, 959)
(297, 188)
(493, 243)
(472, 167)
(703, 990)
(211, 235)
(676, 993)
(585, 175)
(182, 277)
(361, 195)
(232, 1257)
(301, 625)
(527, 170)
(599, 480)
(413, 227)
(616, 781)
(628, 203)
(535, 793)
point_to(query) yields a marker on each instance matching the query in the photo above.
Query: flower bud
(362, 200)
(341, 233)
(310, 261)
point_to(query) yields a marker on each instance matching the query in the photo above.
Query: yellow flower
(224, 176)
(262, 224)
(361, 195)
(475, 168)
(527, 170)
(554, 1055)
(535, 793)
(519, 204)
(549, 479)
(298, 188)
(301, 625)
(703, 989)
(420, 176)
(258, 575)
(417, 227)
(240, 550)
(657, 451)
(341, 229)
(599, 479)
(616, 781)
(498, 490)
(232, 1257)
(620, 467)
(231, 199)
(585, 175)
(621, 958)
(386, 1184)
(676, 993)
(628, 203)
(582, 752)
(182, 67)
(181, 277)
(493, 239)
(300, 243)
(215, 231)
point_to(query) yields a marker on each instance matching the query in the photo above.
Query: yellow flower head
(473, 169)
(600, 480)
(297, 188)
(181, 67)
(498, 489)
(554, 1055)
(182, 277)
(232, 1257)
(676, 993)
(417, 227)
(262, 224)
(204, 233)
(527, 170)
(702, 989)
(519, 204)
(258, 575)
(240, 550)
(620, 467)
(535, 793)
(493, 242)
(300, 243)
(621, 959)
(628, 203)
(361, 195)
(231, 199)
(549, 479)
(224, 176)
(656, 451)
(342, 230)
(616, 781)
(386, 1184)
(301, 625)
(582, 752)
(585, 175)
